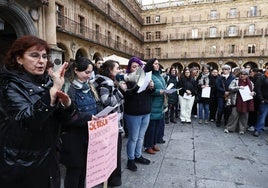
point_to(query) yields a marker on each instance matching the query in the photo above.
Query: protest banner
(102, 149)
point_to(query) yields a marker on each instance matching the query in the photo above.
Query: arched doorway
(213, 65)
(80, 53)
(191, 65)
(231, 64)
(251, 64)
(15, 22)
(178, 66)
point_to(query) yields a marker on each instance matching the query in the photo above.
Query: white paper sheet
(206, 92)
(144, 84)
(106, 111)
(245, 93)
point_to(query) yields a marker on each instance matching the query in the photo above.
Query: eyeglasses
(36, 56)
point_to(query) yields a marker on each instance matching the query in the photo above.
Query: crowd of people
(45, 112)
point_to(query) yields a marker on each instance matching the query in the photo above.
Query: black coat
(31, 139)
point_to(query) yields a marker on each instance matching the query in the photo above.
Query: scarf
(244, 106)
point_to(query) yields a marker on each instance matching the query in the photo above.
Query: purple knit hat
(132, 60)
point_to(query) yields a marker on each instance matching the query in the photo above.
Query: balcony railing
(153, 21)
(162, 38)
(257, 32)
(72, 27)
(112, 14)
(206, 54)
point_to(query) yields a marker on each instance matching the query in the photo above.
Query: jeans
(137, 126)
(263, 113)
(203, 107)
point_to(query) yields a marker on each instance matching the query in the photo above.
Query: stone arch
(178, 66)
(16, 16)
(232, 64)
(213, 65)
(251, 63)
(80, 53)
(194, 64)
(65, 53)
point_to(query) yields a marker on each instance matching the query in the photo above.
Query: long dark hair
(80, 64)
(20, 46)
(107, 67)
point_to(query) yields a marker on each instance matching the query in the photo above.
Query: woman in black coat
(35, 108)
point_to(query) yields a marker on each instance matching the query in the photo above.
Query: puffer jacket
(33, 127)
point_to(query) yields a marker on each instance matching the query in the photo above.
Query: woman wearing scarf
(75, 134)
(240, 109)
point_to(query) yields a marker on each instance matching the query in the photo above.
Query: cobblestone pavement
(202, 156)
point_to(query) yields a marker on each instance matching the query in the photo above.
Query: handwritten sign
(102, 149)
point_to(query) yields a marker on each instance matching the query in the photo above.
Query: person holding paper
(186, 95)
(75, 134)
(137, 108)
(157, 108)
(172, 80)
(204, 93)
(240, 108)
(110, 93)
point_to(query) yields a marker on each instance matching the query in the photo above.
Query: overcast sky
(146, 2)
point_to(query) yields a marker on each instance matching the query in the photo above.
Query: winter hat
(149, 65)
(244, 71)
(132, 60)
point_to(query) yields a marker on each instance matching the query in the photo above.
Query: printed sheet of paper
(245, 93)
(206, 92)
(144, 82)
(102, 149)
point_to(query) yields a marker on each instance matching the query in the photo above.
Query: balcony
(255, 33)
(78, 30)
(162, 38)
(207, 55)
(233, 15)
(162, 20)
(209, 35)
(108, 12)
(177, 36)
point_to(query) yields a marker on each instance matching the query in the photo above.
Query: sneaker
(241, 132)
(142, 160)
(200, 121)
(206, 121)
(131, 165)
(251, 129)
(256, 133)
(211, 120)
(226, 131)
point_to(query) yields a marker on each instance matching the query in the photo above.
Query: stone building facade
(181, 33)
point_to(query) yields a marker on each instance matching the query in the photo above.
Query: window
(97, 32)
(109, 38)
(148, 52)
(232, 31)
(213, 14)
(213, 32)
(157, 19)
(148, 19)
(117, 42)
(253, 11)
(158, 51)
(233, 12)
(232, 49)
(251, 48)
(81, 24)
(194, 33)
(60, 15)
(148, 35)
(212, 49)
(157, 35)
(251, 29)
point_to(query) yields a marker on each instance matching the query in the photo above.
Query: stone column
(51, 34)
